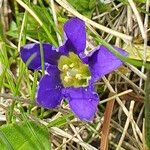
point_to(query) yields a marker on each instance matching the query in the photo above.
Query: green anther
(73, 71)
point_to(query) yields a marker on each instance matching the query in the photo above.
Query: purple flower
(70, 74)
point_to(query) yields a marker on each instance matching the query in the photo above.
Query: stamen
(65, 67)
(67, 78)
(88, 78)
(78, 76)
(72, 65)
(68, 74)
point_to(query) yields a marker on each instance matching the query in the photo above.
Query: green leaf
(20, 137)
(147, 111)
(136, 51)
(83, 6)
(102, 7)
(138, 1)
(32, 27)
(61, 121)
(1, 31)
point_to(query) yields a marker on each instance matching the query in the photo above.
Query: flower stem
(147, 111)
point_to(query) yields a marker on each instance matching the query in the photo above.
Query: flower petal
(75, 36)
(101, 61)
(49, 93)
(53, 71)
(82, 101)
(50, 54)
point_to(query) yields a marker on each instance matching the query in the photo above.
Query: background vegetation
(119, 122)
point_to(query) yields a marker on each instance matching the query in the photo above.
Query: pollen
(72, 65)
(67, 78)
(65, 67)
(78, 76)
(68, 74)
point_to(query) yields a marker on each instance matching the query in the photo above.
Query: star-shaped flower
(70, 72)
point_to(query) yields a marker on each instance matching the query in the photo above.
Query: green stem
(134, 62)
(10, 112)
(147, 111)
(16, 12)
(43, 69)
(42, 56)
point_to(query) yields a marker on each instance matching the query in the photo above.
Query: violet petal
(101, 62)
(82, 101)
(50, 55)
(49, 93)
(75, 36)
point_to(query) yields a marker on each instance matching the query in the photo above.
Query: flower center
(73, 71)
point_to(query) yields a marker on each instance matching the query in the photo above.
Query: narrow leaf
(19, 137)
